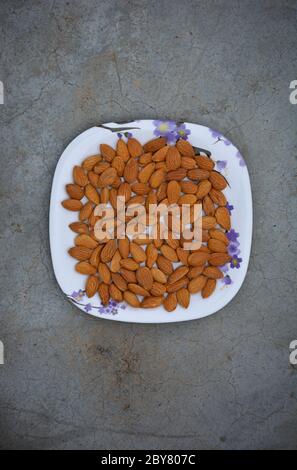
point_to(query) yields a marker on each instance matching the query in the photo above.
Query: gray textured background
(71, 381)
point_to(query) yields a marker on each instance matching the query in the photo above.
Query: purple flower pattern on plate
(171, 130)
(112, 308)
(220, 138)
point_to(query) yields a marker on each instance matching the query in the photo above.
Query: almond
(173, 159)
(219, 259)
(188, 163)
(208, 288)
(93, 178)
(137, 253)
(145, 174)
(158, 289)
(107, 177)
(115, 262)
(217, 180)
(158, 275)
(203, 189)
(160, 155)
(164, 265)
(170, 302)
(95, 257)
(151, 302)
(177, 175)
(131, 171)
(92, 194)
(213, 272)
(219, 235)
(169, 253)
(157, 178)
(125, 191)
(216, 246)
(104, 195)
(175, 286)
(144, 277)
(217, 197)
(161, 192)
(195, 271)
(185, 148)
(115, 293)
(107, 152)
(119, 281)
(198, 258)
(101, 167)
(85, 240)
(119, 165)
(140, 188)
(205, 163)
(179, 272)
(151, 255)
(187, 199)
(72, 204)
(208, 206)
(131, 299)
(135, 148)
(129, 263)
(104, 273)
(79, 176)
(103, 291)
(196, 285)
(223, 217)
(79, 227)
(92, 285)
(173, 192)
(198, 174)
(188, 187)
(124, 247)
(108, 251)
(129, 276)
(145, 158)
(122, 150)
(83, 267)
(208, 222)
(183, 255)
(85, 211)
(89, 162)
(80, 252)
(74, 191)
(139, 290)
(183, 297)
(155, 144)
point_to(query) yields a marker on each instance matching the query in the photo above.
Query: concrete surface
(71, 381)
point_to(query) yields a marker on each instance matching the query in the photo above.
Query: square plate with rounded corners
(228, 160)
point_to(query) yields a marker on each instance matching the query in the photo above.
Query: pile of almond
(149, 272)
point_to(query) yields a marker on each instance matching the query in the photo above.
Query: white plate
(228, 160)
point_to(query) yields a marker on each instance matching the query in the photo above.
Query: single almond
(89, 162)
(164, 265)
(131, 299)
(125, 191)
(85, 211)
(219, 259)
(92, 194)
(177, 175)
(179, 272)
(115, 293)
(198, 174)
(170, 302)
(115, 262)
(129, 263)
(160, 155)
(108, 251)
(169, 253)
(187, 199)
(140, 188)
(155, 144)
(72, 204)
(173, 159)
(151, 255)
(74, 191)
(208, 288)
(103, 291)
(95, 257)
(158, 289)
(216, 246)
(219, 235)
(101, 167)
(107, 152)
(213, 272)
(92, 285)
(175, 286)
(86, 240)
(173, 192)
(137, 253)
(138, 290)
(208, 206)
(79, 227)
(145, 159)
(195, 271)
(203, 189)
(83, 267)
(188, 187)
(135, 148)
(119, 281)
(183, 255)
(158, 275)
(157, 178)
(107, 177)
(93, 178)
(104, 273)
(217, 180)
(188, 163)
(208, 222)
(217, 197)
(223, 217)
(198, 258)
(146, 172)
(129, 276)
(119, 165)
(183, 297)
(205, 163)
(81, 253)
(144, 277)
(131, 171)
(196, 285)
(185, 148)
(151, 302)
(79, 176)
(122, 150)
